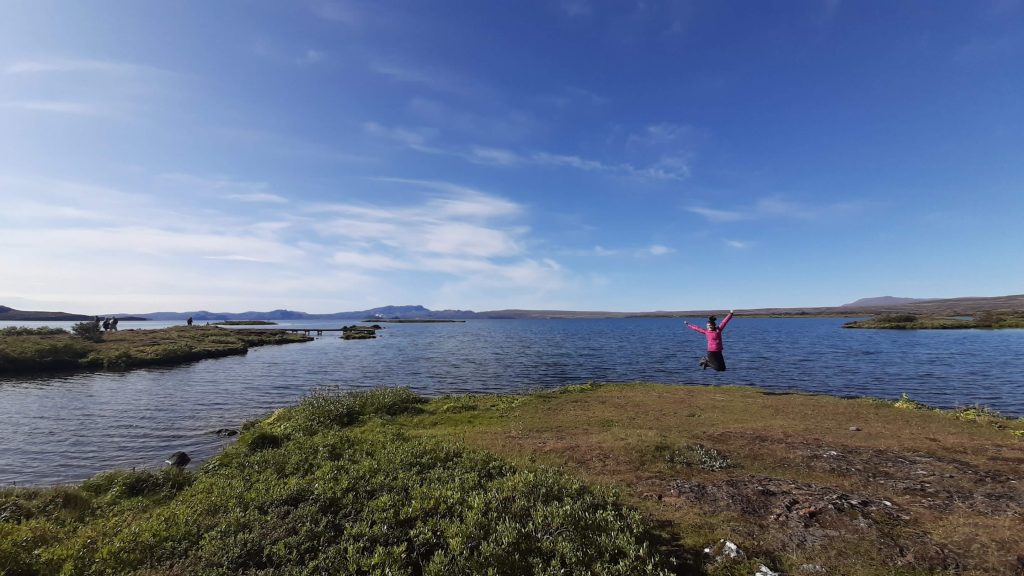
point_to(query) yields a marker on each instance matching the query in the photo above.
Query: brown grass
(911, 492)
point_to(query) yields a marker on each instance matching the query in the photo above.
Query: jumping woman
(714, 358)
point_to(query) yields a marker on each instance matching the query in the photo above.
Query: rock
(854, 429)
(179, 459)
(725, 550)
(810, 569)
(766, 571)
(226, 432)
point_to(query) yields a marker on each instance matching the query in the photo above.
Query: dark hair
(711, 320)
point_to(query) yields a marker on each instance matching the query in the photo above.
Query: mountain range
(935, 306)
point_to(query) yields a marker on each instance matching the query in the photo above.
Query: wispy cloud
(661, 170)
(773, 207)
(737, 244)
(646, 252)
(71, 65)
(258, 197)
(576, 8)
(56, 106)
(310, 57)
(422, 140)
(716, 215)
(343, 11)
(219, 187)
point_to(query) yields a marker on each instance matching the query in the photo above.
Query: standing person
(106, 324)
(113, 324)
(714, 358)
(189, 321)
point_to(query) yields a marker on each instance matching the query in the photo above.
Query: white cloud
(660, 250)
(169, 250)
(715, 215)
(737, 244)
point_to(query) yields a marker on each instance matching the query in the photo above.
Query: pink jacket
(714, 336)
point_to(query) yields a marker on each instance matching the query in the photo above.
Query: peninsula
(46, 350)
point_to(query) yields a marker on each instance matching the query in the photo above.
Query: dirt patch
(940, 483)
(798, 517)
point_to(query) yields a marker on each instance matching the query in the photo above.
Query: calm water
(65, 428)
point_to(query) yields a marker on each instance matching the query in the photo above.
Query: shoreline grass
(907, 321)
(126, 349)
(593, 478)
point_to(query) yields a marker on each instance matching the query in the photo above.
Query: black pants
(714, 360)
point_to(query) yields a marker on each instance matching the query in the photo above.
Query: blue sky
(328, 155)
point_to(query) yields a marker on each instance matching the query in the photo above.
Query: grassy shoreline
(615, 479)
(35, 351)
(903, 321)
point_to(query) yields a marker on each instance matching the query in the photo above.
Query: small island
(29, 350)
(909, 321)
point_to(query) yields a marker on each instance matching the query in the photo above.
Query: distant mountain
(7, 313)
(414, 312)
(934, 306)
(883, 301)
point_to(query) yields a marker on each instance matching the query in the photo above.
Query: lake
(65, 428)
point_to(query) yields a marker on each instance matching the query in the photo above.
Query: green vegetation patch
(312, 490)
(122, 350)
(906, 321)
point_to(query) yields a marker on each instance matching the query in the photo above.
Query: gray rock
(179, 459)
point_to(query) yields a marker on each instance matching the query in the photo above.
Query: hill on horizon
(883, 301)
(933, 306)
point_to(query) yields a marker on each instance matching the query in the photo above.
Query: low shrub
(701, 456)
(334, 407)
(26, 331)
(88, 331)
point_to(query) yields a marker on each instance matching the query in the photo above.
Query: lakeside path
(379, 481)
(126, 349)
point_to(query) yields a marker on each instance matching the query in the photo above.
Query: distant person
(113, 324)
(98, 322)
(106, 324)
(713, 333)
(189, 321)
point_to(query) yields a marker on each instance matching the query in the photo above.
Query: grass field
(601, 479)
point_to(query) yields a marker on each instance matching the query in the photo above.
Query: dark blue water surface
(65, 428)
